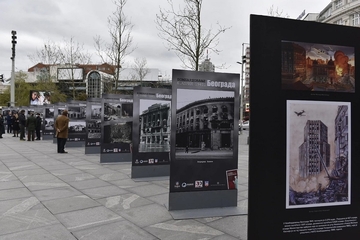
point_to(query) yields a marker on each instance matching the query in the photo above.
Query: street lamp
(12, 86)
(241, 93)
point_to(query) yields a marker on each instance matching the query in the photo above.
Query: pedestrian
(2, 129)
(61, 131)
(9, 122)
(30, 126)
(22, 124)
(16, 125)
(38, 126)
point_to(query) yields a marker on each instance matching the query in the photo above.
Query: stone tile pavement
(45, 195)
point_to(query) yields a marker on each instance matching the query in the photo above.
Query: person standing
(9, 122)
(2, 129)
(16, 125)
(22, 124)
(38, 126)
(61, 128)
(30, 125)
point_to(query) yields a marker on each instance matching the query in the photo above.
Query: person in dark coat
(38, 126)
(15, 125)
(2, 128)
(61, 128)
(9, 122)
(30, 125)
(22, 124)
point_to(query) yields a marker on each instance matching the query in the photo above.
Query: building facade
(207, 123)
(314, 153)
(155, 124)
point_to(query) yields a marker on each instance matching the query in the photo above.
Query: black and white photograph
(49, 112)
(204, 124)
(49, 124)
(112, 111)
(318, 157)
(77, 112)
(154, 125)
(93, 129)
(60, 111)
(95, 112)
(118, 133)
(77, 127)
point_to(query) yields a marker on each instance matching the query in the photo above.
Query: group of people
(37, 98)
(17, 123)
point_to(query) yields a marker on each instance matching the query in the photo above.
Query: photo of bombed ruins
(318, 159)
(317, 67)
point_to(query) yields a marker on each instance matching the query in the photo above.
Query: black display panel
(116, 128)
(151, 132)
(303, 137)
(204, 139)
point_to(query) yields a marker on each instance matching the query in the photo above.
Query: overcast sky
(37, 21)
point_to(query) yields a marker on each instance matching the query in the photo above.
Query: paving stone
(68, 204)
(56, 193)
(9, 194)
(115, 231)
(87, 218)
(123, 202)
(149, 190)
(102, 192)
(89, 184)
(140, 215)
(11, 184)
(76, 177)
(56, 231)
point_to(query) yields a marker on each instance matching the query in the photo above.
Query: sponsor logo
(141, 161)
(184, 184)
(136, 161)
(206, 183)
(115, 150)
(177, 185)
(151, 161)
(198, 184)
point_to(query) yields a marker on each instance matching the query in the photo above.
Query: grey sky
(37, 21)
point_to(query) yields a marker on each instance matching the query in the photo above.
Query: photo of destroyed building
(93, 129)
(78, 112)
(318, 159)
(155, 126)
(115, 111)
(205, 125)
(95, 112)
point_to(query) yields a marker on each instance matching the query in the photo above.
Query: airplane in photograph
(300, 114)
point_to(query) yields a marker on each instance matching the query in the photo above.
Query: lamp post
(241, 95)
(12, 86)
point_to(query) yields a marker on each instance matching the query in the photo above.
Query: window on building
(356, 19)
(339, 22)
(338, 3)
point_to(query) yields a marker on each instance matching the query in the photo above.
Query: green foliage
(22, 90)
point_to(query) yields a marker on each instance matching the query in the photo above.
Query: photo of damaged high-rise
(317, 67)
(318, 154)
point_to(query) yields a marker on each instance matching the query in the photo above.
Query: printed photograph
(118, 133)
(318, 153)
(116, 111)
(77, 127)
(204, 124)
(49, 124)
(49, 112)
(95, 112)
(78, 112)
(154, 125)
(93, 129)
(317, 67)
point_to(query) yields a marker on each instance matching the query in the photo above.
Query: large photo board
(116, 128)
(204, 139)
(151, 132)
(304, 140)
(93, 126)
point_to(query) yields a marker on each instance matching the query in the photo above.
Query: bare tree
(276, 12)
(119, 47)
(183, 32)
(140, 70)
(49, 55)
(71, 55)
